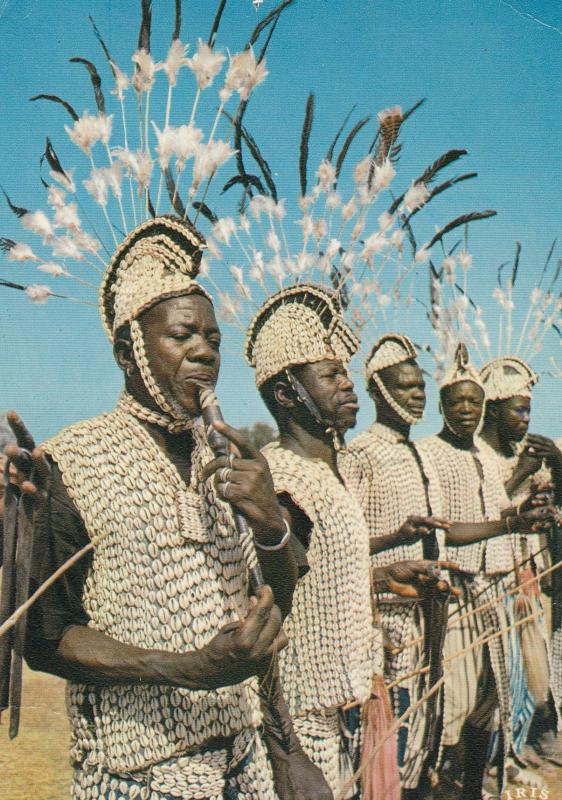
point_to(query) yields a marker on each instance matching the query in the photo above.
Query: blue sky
(490, 70)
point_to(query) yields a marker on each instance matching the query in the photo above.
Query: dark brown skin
(406, 384)
(182, 345)
(329, 385)
(331, 388)
(506, 423)
(461, 406)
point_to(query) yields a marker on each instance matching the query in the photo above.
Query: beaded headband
(507, 377)
(298, 325)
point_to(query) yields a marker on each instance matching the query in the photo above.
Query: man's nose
(202, 351)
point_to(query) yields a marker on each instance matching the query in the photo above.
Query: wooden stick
(493, 602)
(395, 727)
(13, 618)
(483, 639)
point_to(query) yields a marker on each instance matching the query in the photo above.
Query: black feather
(339, 284)
(12, 285)
(268, 39)
(17, 210)
(332, 147)
(500, 270)
(556, 274)
(411, 237)
(6, 244)
(151, 210)
(245, 180)
(95, 79)
(439, 164)
(44, 182)
(547, 262)
(272, 16)
(437, 190)
(454, 247)
(53, 98)
(102, 43)
(348, 142)
(257, 155)
(466, 294)
(177, 21)
(203, 208)
(216, 23)
(429, 174)
(515, 269)
(411, 110)
(305, 139)
(52, 159)
(442, 187)
(175, 199)
(473, 216)
(146, 23)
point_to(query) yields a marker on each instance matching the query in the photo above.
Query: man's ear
(284, 394)
(124, 356)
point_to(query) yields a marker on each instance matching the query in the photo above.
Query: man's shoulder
(81, 432)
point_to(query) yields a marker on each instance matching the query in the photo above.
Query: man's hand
(28, 469)
(412, 578)
(297, 778)
(538, 449)
(536, 520)
(543, 449)
(242, 649)
(19, 455)
(416, 527)
(244, 480)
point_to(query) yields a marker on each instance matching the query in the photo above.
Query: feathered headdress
(521, 326)
(141, 167)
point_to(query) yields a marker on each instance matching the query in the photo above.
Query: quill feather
(305, 139)
(95, 79)
(53, 98)
(347, 144)
(473, 216)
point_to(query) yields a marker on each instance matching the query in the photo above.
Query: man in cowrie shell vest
(154, 629)
(466, 487)
(530, 464)
(383, 470)
(299, 346)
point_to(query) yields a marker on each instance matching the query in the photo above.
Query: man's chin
(346, 422)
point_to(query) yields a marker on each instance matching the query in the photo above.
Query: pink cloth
(381, 777)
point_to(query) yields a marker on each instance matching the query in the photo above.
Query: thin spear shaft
(11, 621)
(395, 727)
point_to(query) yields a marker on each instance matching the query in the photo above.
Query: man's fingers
(438, 522)
(452, 566)
(23, 436)
(20, 458)
(265, 642)
(402, 589)
(41, 470)
(210, 468)
(258, 614)
(244, 447)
